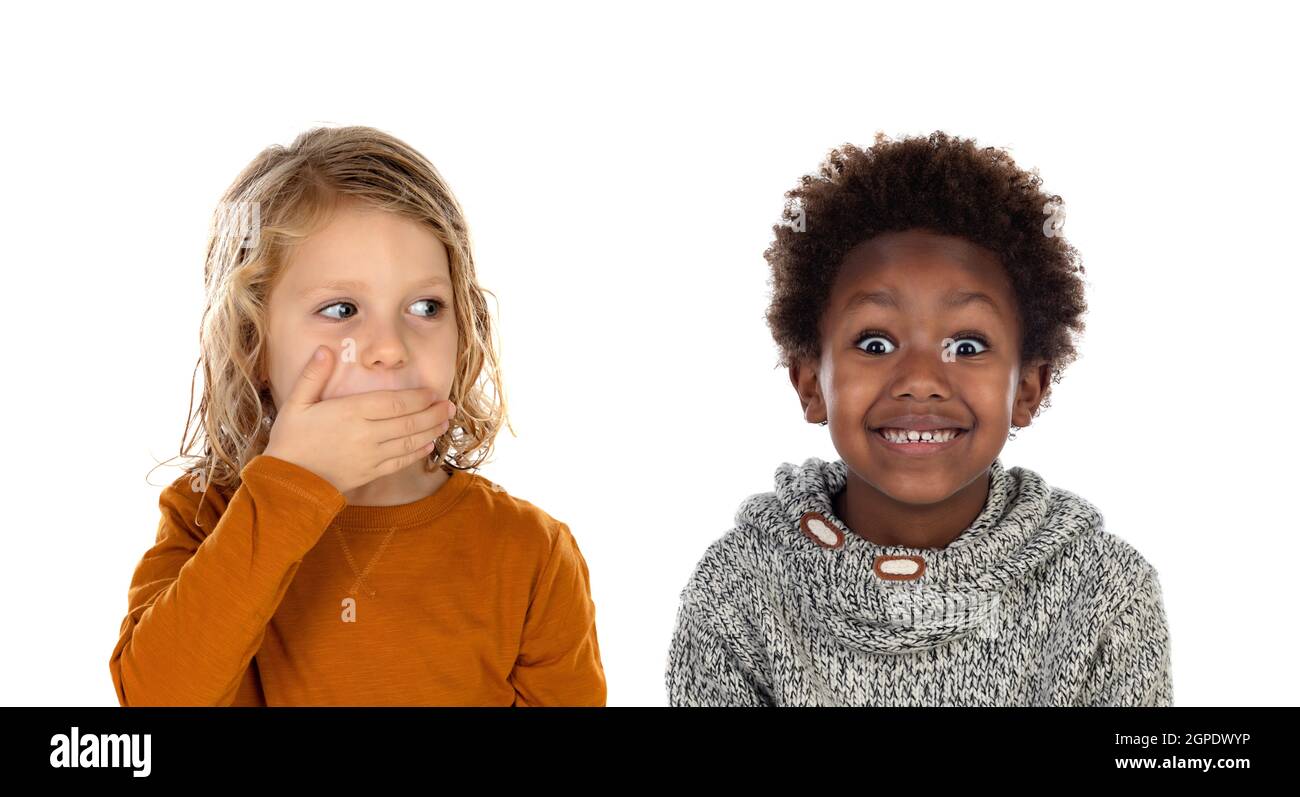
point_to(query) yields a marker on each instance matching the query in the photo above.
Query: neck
(885, 521)
(406, 486)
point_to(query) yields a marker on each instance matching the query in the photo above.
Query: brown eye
(869, 337)
(965, 338)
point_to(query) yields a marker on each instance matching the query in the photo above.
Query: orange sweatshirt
(281, 593)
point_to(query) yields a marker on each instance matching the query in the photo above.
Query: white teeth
(911, 436)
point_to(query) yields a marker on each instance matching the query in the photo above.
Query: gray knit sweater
(1034, 604)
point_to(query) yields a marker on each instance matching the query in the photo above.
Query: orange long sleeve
(559, 645)
(287, 595)
(199, 602)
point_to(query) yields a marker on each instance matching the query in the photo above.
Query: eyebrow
(357, 285)
(954, 298)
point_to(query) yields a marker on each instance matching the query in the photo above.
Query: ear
(804, 376)
(1035, 378)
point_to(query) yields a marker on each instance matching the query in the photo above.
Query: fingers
(410, 425)
(314, 376)
(381, 405)
(399, 453)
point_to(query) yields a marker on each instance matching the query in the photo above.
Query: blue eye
(340, 304)
(437, 304)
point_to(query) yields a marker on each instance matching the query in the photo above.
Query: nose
(382, 344)
(921, 373)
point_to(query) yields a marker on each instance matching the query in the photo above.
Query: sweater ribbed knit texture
(1035, 603)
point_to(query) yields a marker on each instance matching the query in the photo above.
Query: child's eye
(437, 304)
(965, 336)
(871, 334)
(340, 304)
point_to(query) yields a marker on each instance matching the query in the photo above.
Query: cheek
(993, 392)
(448, 341)
(437, 360)
(849, 391)
(989, 399)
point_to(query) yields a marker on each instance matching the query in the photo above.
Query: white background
(621, 169)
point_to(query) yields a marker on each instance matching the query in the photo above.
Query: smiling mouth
(913, 442)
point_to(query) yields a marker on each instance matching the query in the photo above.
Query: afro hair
(939, 183)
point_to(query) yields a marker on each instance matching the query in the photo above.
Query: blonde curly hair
(280, 198)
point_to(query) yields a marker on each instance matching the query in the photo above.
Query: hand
(353, 440)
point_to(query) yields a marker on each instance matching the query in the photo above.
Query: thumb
(311, 382)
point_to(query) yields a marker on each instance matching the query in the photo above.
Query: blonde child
(333, 544)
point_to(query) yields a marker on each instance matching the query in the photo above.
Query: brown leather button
(817, 528)
(899, 568)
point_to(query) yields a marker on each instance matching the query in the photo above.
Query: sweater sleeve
(200, 599)
(1132, 662)
(559, 655)
(705, 667)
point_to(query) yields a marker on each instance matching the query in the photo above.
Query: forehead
(361, 241)
(921, 269)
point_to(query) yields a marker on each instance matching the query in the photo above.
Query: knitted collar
(892, 599)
